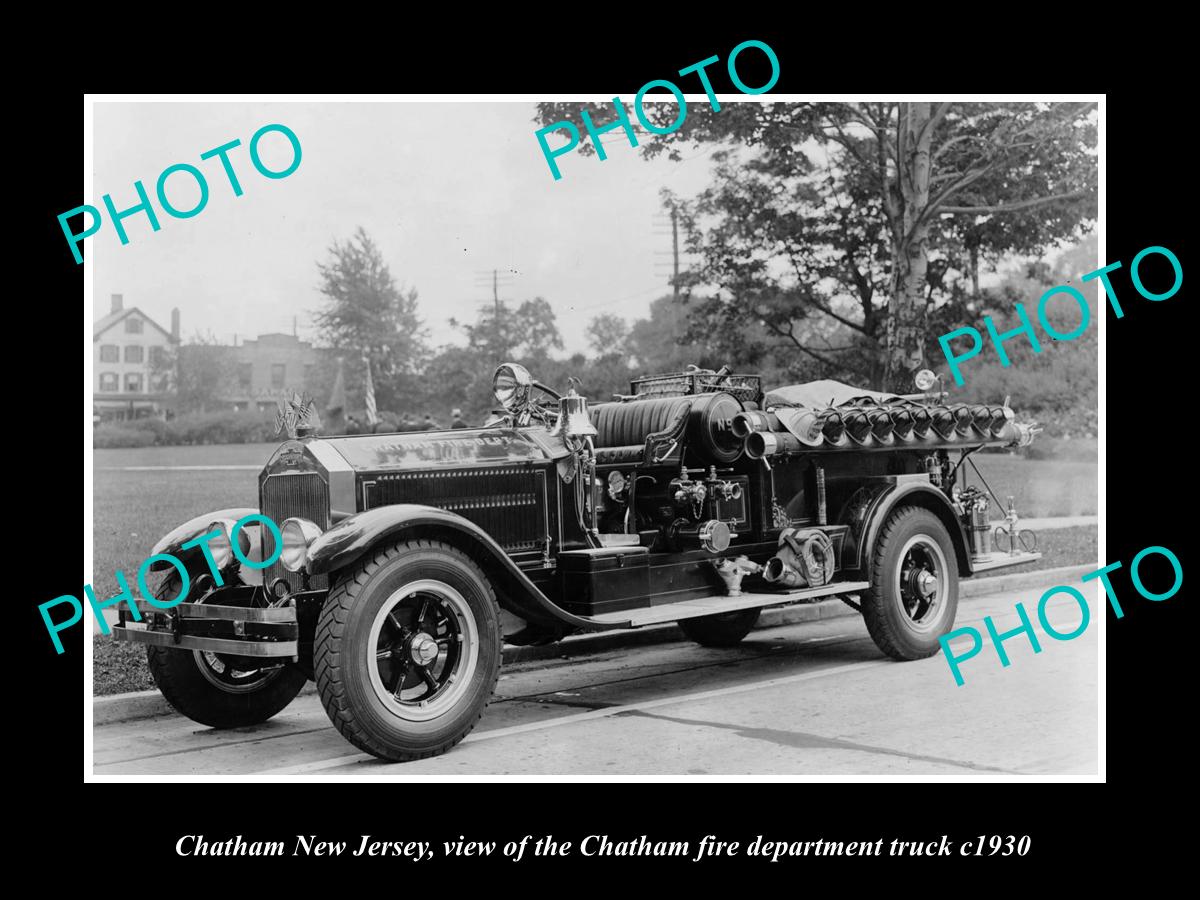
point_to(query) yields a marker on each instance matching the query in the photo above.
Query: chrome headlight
(297, 535)
(513, 385)
(221, 547)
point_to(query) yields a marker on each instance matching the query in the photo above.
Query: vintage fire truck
(404, 562)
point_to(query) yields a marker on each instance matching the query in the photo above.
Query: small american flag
(372, 413)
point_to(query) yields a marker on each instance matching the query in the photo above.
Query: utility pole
(496, 293)
(497, 306)
(660, 225)
(675, 249)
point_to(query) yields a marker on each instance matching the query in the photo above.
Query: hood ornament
(296, 415)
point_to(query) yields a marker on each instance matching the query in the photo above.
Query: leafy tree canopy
(367, 315)
(841, 228)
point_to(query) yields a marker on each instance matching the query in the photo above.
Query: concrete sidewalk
(148, 704)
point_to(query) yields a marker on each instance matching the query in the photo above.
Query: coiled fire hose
(809, 562)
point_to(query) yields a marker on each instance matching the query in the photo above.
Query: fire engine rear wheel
(914, 585)
(215, 690)
(722, 630)
(408, 650)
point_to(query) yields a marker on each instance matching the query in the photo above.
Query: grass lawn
(209, 455)
(1040, 487)
(133, 509)
(118, 668)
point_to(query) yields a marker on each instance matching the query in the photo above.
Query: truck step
(721, 603)
(1002, 560)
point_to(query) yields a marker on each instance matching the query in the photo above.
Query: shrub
(221, 428)
(110, 437)
(158, 429)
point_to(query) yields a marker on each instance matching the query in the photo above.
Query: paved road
(810, 699)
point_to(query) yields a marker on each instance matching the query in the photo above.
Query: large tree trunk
(910, 255)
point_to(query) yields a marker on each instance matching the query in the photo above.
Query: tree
(367, 315)
(916, 192)
(537, 327)
(459, 377)
(607, 334)
(530, 330)
(660, 343)
(1057, 386)
(202, 373)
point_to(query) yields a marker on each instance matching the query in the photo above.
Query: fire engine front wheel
(408, 649)
(914, 585)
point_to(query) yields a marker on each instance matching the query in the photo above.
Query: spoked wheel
(921, 581)
(224, 673)
(215, 689)
(408, 650)
(914, 585)
(426, 649)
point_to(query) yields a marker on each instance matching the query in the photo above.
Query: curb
(116, 708)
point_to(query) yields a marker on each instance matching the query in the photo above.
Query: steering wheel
(545, 408)
(514, 387)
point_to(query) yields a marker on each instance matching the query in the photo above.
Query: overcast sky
(447, 190)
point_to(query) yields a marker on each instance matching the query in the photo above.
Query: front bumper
(264, 633)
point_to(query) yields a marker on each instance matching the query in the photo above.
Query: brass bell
(573, 423)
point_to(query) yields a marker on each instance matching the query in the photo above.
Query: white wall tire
(408, 650)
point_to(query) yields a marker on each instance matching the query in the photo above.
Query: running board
(721, 603)
(1001, 560)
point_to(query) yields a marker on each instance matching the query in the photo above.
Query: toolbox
(604, 579)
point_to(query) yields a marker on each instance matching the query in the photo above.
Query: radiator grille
(302, 494)
(508, 503)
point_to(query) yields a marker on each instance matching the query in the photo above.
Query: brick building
(268, 366)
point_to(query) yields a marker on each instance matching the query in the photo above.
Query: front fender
(351, 538)
(172, 542)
